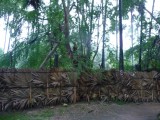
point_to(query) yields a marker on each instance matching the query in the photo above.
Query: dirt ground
(104, 111)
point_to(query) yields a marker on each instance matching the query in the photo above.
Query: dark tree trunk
(150, 29)
(117, 35)
(66, 26)
(90, 32)
(140, 48)
(97, 47)
(104, 34)
(141, 35)
(121, 62)
(132, 35)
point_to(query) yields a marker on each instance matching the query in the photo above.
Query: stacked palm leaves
(24, 88)
(15, 92)
(157, 81)
(112, 85)
(28, 88)
(56, 86)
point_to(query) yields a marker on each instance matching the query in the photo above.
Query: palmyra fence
(27, 88)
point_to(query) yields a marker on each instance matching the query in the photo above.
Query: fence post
(152, 94)
(47, 87)
(141, 91)
(75, 89)
(30, 92)
(157, 88)
(60, 91)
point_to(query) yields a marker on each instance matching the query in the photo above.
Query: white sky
(126, 37)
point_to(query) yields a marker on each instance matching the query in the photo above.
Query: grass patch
(14, 116)
(62, 111)
(120, 102)
(44, 114)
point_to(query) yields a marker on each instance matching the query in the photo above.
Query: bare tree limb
(150, 29)
(49, 55)
(152, 15)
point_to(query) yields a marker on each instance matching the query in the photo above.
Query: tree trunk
(141, 36)
(150, 29)
(117, 35)
(6, 35)
(79, 28)
(66, 27)
(121, 61)
(104, 33)
(90, 32)
(132, 35)
(97, 48)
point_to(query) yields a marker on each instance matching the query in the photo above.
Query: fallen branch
(49, 55)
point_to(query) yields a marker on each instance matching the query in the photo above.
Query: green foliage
(112, 57)
(150, 56)
(14, 116)
(35, 55)
(31, 16)
(5, 60)
(1, 52)
(47, 26)
(40, 115)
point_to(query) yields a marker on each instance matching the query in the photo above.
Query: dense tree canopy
(81, 30)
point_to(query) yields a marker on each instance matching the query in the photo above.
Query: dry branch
(49, 55)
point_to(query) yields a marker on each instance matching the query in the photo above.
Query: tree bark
(97, 48)
(141, 35)
(104, 34)
(132, 35)
(90, 32)
(150, 29)
(117, 34)
(121, 61)
(66, 27)
(6, 35)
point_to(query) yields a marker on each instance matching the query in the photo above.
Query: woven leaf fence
(26, 88)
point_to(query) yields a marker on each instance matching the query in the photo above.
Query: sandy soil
(106, 111)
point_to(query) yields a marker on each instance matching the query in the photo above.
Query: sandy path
(96, 111)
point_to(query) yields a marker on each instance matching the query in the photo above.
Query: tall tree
(117, 32)
(104, 15)
(66, 25)
(90, 31)
(150, 29)
(121, 61)
(141, 6)
(132, 34)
